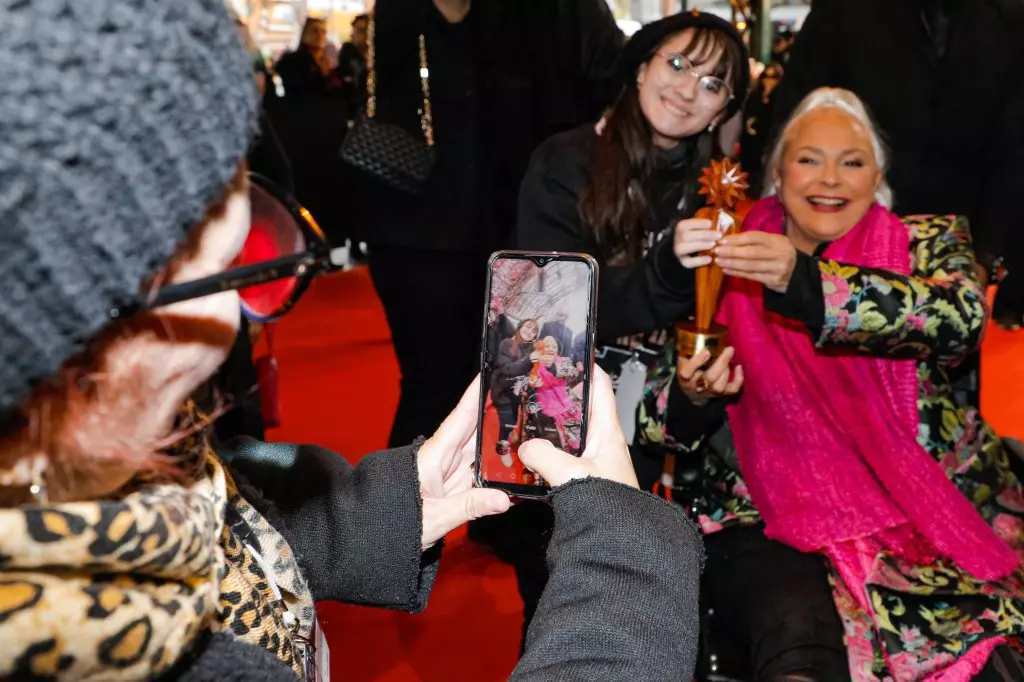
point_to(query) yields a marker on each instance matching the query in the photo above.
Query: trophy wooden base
(690, 340)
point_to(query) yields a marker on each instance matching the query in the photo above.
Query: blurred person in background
(503, 76)
(782, 45)
(352, 62)
(311, 121)
(131, 550)
(309, 69)
(758, 116)
(352, 68)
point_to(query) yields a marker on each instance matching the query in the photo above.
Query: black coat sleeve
(357, 531)
(804, 299)
(601, 42)
(998, 232)
(222, 657)
(622, 599)
(632, 299)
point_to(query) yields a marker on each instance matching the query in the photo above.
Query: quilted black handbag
(386, 152)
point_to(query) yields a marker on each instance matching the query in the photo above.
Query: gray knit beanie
(120, 122)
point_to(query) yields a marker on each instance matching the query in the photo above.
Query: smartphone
(536, 359)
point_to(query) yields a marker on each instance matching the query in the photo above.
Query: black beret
(645, 42)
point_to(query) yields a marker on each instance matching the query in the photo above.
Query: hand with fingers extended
(606, 454)
(701, 384)
(766, 258)
(446, 476)
(694, 237)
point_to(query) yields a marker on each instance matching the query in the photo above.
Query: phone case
(544, 401)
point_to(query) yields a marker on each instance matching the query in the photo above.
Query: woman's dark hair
(518, 339)
(615, 201)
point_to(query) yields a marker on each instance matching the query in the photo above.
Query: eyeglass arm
(305, 264)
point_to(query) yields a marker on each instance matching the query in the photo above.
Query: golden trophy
(725, 186)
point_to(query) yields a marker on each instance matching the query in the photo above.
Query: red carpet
(339, 385)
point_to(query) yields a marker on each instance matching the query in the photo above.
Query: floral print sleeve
(937, 311)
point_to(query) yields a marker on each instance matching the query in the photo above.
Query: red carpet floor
(339, 384)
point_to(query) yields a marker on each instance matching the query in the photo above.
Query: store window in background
(632, 14)
(276, 25)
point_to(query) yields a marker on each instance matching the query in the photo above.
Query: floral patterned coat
(923, 617)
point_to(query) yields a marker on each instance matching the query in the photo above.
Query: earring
(38, 487)
(711, 128)
(28, 472)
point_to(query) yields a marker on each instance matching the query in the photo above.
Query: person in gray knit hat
(129, 549)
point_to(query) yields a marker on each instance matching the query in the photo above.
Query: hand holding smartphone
(607, 453)
(536, 362)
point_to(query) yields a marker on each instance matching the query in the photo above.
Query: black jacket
(621, 603)
(509, 364)
(638, 298)
(955, 122)
(511, 74)
(301, 76)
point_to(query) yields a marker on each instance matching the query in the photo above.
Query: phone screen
(536, 358)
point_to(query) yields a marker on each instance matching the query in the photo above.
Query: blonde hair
(846, 101)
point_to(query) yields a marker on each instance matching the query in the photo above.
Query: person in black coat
(504, 75)
(308, 69)
(352, 67)
(945, 81)
(559, 331)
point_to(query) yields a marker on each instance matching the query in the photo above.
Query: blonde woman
(849, 497)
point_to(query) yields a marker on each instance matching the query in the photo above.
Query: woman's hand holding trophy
(702, 340)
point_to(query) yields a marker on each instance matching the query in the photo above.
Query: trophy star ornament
(724, 186)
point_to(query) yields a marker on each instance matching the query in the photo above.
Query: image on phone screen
(537, 352)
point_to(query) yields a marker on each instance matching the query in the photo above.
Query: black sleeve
(690, 424)
(804, 300)
(622, 599)
(998, 232)
(632, 299)
(222, 657)
(295, 74)
(812, 61)
(357, 530)
(509, 365)
(602, 40)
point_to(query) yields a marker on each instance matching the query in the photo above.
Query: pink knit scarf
(827, 441)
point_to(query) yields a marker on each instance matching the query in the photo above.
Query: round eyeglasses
(713, 93)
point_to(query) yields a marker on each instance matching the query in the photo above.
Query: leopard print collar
(119, 589)
(111, 590)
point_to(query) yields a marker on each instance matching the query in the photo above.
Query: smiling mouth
(827, 204)
(674, 108)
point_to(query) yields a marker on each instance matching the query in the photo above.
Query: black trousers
(434, 303)
(1010, 295)
(771, 610)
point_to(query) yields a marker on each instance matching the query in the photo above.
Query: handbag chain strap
(426, 113)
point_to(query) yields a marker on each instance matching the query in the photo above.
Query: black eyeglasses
(712, 92)
(284, 251)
